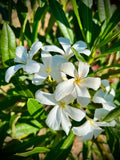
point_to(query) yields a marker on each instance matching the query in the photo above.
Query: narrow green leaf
(38, 15)
(61, 19)
(35, 109)
(108, 39)
(112, 114)
(78, 17)
(115, 48)
(62, 149)
(22, 146)
(8, 45)
(78, 55)
(101, 10)
(112, 23)
(36, 150)
(113, 140)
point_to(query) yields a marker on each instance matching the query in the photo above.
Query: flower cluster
(72, 84)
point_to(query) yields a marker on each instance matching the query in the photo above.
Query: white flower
(28, 65)
(50, 66)
(105, 98)
(67, 52)
(91, 128)
(59, 116)
(78, 83)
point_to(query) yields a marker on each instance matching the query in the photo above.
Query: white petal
(63, 89)
(110, 124)
(57, 60)
(88, 136)
(11, 71)
(100, 114)
(83, 101)
(92, 82)
(55, 74)
(34, 48)
(75, 113)
(87, 52)
(83, 96)
(112, 92)
(97, 131)
(99, 97)
(66, 124)
(54, 118)
(38, 79)
(21, 54)
(79, 45)
(31, 67)
(45, 98)
(47, 59)
(83, 129)
(52, 48)
(109, 106)
(83, 69)
(65, 43)
(109, 97)
(69, 69)
(68, 99)
(106, 84)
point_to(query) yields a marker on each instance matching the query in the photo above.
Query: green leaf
(38, 15)
(101, 10)
(113, 140)
(78, 17)
(62, 149)
(112, 114)
(78, 55)
(36, 150)
(61, 19)
(8, 45)
(87, 146)
(22, 146)
(108, 39)
(112, 23)
(114, 48)
(35, 109)
(24, 129)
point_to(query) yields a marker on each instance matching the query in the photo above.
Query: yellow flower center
(78, 80)
(62, 104)
(48, 70)
(91, 122)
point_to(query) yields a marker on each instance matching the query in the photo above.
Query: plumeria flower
(78, 83)
(50, 66)
(25, 59)
(67, 52)
(92, 127)
(59, 115)
(105, 98)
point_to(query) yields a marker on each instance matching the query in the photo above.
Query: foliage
(24, 129)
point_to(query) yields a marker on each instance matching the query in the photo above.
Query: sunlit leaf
(35, 109)
(112, 114)
(8, 45)
(61, 19)
(36, 150)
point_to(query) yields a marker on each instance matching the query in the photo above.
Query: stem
(102, 149)
(23, 30)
